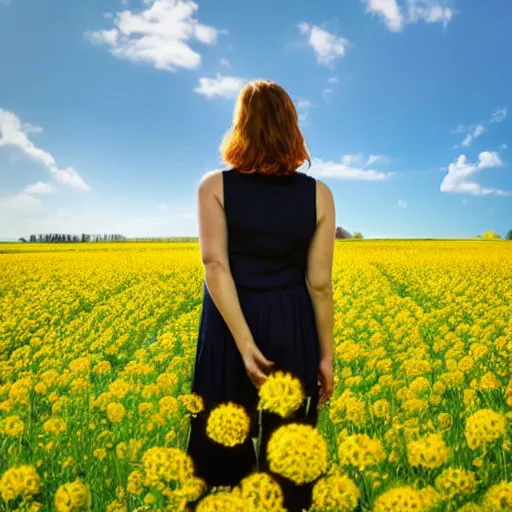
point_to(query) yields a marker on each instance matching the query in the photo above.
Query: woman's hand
(256, 364)
(326, 380)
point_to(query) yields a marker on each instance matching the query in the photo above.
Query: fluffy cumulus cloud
(221, 86)
(161, 34)
(350, 168)
(327, 46)
(397, 14)
(460, 174)
(13, 133)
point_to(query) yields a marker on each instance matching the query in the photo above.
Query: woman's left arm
(213, 241)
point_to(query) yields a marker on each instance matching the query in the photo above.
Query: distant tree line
(48, 238)
(342, 234)
(492, 235)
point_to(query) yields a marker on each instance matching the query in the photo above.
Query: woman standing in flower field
(266, 235)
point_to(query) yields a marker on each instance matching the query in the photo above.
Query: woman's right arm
(319, 282)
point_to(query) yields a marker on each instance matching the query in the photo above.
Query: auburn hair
(265, 136)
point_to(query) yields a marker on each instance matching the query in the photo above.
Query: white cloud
(349, 168)
(333, 80)
(474, 133)
(13, 133)
(504, 146)
(31, 128)
(41, 187)
(223, 86)
(499, 115)
(389, 10)
(108, 15)
(430, 11)
(303, 103)
(459, 173)
(225, 62)
(327, 47)
(356, 159)
(373, 159)
(402, 203)
(396, 16)
(20, 204)
(161, 35)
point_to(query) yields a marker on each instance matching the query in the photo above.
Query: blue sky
(112, 110)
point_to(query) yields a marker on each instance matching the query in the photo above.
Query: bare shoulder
(323, 195)
(211, 185)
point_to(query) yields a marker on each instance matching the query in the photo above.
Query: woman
(266, 235)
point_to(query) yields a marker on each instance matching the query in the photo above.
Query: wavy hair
(265, 136)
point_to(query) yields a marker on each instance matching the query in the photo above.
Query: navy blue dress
(270, 222)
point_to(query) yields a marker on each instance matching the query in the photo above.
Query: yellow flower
(445, 420)
(13, 426)
(192, 402)
(168, 406)
(115, 412)
(498, 497)
(484, 427)
(336, 493)
(222, 501)
(191, 490)
(399, 499)
(116, 506)
(166, 465)
(381, 409)
(102, 368)
(135, 483)
(55, 425)
(297, 452)
(100, 453)
(166, 382)
(72, 496)
(430, 498)
(261, 493)
(359, 451)
(228, 424)
(21, 481)
(281, 394)
(454, 481)
(430, 451)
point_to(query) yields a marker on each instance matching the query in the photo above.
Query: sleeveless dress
(270, 222)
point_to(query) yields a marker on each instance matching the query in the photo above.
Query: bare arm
(319, 282)
(219, 280)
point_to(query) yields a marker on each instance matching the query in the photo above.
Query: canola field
(97, 345)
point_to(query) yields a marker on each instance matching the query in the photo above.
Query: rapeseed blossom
(228, 424)
(297, 452)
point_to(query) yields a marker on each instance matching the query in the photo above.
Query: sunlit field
(97, 344)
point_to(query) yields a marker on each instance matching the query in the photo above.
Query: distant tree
(357, 234)
(479, 236)
(22, 239)
(342, 233)
(509, 235)
(491, 235)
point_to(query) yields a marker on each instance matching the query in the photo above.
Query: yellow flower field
(97, 344)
